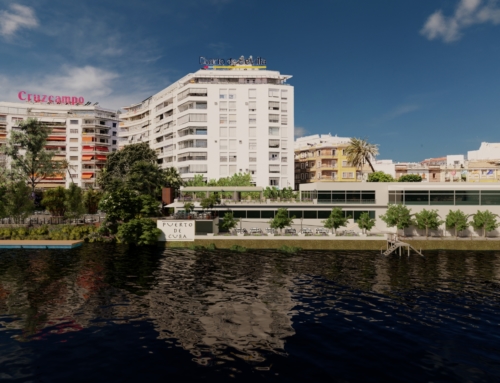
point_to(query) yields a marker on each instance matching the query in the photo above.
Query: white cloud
(400, 110)
(467, 13)
(299, 131)
(17, 18)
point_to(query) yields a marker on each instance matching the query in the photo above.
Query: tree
(188, 206)
(172, 178)
(138, 231)
(410, 178)
(29, 158)
(336, 219)
(228, 222)
(54, 201)
(380, 177)
(484, 220)
(91, 199)
(359, 152)
(427, 219)
(18, 203)
(74, 201)
(271, 192)
(145, 178)
(398, 216)
(281, 220)
(209, 202)
(456, 220)
(365, 223)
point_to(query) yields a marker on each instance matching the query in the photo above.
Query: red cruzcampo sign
(24, 96)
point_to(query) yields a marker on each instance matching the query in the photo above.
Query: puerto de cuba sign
(176, 230)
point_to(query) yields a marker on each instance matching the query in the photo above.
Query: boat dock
(41, 244)
(393, 244)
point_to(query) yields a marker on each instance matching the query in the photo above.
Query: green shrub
(289, 249)
(238, 249)
(138, 231)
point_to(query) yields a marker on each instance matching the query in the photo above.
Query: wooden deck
(43, 244)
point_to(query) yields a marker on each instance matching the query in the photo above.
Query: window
(232, 144)
(274, 143)
(232, 131)
(284, 169)
(284, 119)
(284, 94)
(252, 144)
(73, 131)
(73, 158)
(284, 107)
(252, 93)
(73, 149)
(223, 93)
(73, 140)
(252, 131)
(223, 106)
(232, 118)
(223, 170)
(274, 131)
(114, 124)
(252, 106)
(223, 157)
(275, 156)
(252, 169)
(232, 106)
(232, 94)
(284, 158)
(284, 144)
(232, 170)
(274, 181)
(252, 157)
(344, 163)
(274, 118)
(102, 122)
(347, 175)
(232, 157)
(114, 134)
(223, 144)
(274, 105)
(252, 118)
(274, 168)
(223, 131)
(73, 122)
(114, 142)
(274, 92)
(223, 119)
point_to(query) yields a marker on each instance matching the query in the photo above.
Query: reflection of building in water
(224, 308)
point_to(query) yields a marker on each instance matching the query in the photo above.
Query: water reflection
(254, 307)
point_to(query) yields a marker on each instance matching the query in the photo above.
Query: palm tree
(359, 152)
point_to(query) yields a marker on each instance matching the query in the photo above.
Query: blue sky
(421, 78)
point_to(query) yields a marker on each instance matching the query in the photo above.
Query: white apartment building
(83, 135)
(220, 122)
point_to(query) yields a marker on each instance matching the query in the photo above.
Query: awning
(101, 157)
(53, 138)
(102, 148)
(87, 175)
(86, 158)
(87, 139)
(59, 177)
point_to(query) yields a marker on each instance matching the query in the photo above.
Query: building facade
(239, 119)
(321, 158)
(82, 135)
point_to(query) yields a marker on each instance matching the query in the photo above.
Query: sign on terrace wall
(176, 230)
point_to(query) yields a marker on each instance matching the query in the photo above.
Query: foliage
(188, 206)
(380, 177)
(281, 220)
(398, 216)
(55, 232)
(17, 203)
(138, 231)
(410, 178)
(336, 219)
(91, 199)
(456, 220)
(427, 219)
(26, 149)
(238, 249)
(359, 152)
(289, 249)
(210, 201)
(228, 222)
(209, 247)
(172, 178)
(74, 201)
(271, 192)
(365, 223)
(54, 201)
(484, 220)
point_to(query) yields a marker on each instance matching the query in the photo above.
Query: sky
(420, 78)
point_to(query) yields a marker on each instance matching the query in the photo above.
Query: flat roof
(222, 189)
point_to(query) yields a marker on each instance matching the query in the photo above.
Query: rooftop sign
(230, 63)
(24, 96)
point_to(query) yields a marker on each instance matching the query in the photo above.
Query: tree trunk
(455, 232)
(371, 166)
(426, 232)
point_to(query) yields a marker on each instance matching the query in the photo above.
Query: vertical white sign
(176, 230)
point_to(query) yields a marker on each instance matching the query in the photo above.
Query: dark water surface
(102, 313)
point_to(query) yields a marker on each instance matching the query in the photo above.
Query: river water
(105, 313)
